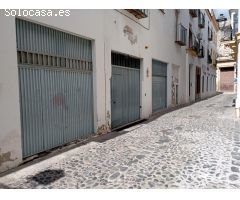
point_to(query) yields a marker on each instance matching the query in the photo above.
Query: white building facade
(107, 67)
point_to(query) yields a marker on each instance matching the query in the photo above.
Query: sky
(221, 11)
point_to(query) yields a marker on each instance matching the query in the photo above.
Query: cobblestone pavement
(194, 147)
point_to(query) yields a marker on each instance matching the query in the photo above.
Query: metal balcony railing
(139, 13)
(181, 35)
(194, 44)
(201, 20)
(193, 12)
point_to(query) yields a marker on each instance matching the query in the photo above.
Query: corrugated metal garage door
(159, 85)
(56, 95)
(125, 90)
(227, 79)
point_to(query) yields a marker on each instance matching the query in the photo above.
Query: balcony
(209, 58)
(193, 46)
(139, 13)
(210, 34)
(201, 20)
(193, 12)
(201, 50)
(181, 35)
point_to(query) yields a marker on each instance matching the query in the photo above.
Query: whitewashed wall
(10, 129)
(155, 40)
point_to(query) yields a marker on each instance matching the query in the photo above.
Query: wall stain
(105, 128)
(59, 100)
(5, 157)
(129, 32)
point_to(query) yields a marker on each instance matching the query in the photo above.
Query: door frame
(166, 82)
(139, 68)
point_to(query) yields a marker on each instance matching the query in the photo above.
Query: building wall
(110, 30)
(10, 131)
(161, 26)
(227, 49)
(207, 70)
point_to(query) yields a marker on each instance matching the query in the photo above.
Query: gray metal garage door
(159, 85)
(56, 95)
(125, 90)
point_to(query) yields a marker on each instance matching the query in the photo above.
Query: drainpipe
(238, 68)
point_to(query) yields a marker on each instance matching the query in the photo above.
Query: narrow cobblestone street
(194, 147)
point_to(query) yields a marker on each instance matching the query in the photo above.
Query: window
(193, 12)
(209, 58)
(181, 35)
(192, 41)
(210, 33)
(201, 19)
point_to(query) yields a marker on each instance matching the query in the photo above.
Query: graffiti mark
(59, 100)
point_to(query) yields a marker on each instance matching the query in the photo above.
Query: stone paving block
(193, 147)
